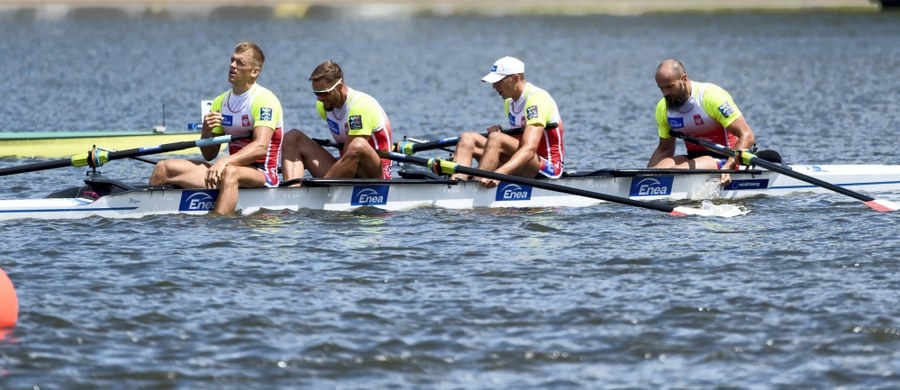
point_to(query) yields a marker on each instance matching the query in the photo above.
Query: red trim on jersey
(551, 144)
(721, 137)
(268, 163)
(381, 141)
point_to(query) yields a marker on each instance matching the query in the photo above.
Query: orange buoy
(9, 304)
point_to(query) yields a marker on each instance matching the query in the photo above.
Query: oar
(96, 157)
(146, 160)
(409, 147)
(748, 158)
(449, 167)
(328, 143)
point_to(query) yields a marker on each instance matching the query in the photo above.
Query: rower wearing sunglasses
(355, 120)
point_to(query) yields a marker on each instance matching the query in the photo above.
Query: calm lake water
(799, 293)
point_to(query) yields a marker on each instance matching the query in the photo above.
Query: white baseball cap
(504, 67)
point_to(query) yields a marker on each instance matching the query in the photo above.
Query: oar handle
(327, 143)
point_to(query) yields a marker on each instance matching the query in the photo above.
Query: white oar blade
(882, 205)
(709, 209)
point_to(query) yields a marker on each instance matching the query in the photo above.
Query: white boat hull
(344, 195)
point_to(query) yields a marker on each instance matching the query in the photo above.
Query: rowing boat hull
(404, 194)
(59, 145)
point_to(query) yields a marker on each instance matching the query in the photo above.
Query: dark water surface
(799, 293)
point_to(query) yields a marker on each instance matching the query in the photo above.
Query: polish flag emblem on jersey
(698, 120)
(245, 120)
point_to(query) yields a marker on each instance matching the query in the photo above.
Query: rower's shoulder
(217, 101)
(362, 100)
(265, 93)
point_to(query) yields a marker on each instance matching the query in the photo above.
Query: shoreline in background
(286, 9)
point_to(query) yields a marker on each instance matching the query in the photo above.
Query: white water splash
(710, 209)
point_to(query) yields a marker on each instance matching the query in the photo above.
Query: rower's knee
(230, 176)
(357, 147)
(494, 142)
(466, 140)
(293, 138)
(294, 143)
(160, 173)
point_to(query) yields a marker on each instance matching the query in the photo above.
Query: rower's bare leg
(233, 178)
(669, 162)
(531, 169)
(299, 152)
(497, 150)
(359, 160)
(702, 162)
(180, 172)
(683, 162)
(470, 146)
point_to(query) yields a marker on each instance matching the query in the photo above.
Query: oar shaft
(165, 148)
(100, 157)
(809, 179)
(452, 167)
(413, 147)
(35, 167)
(751, 159)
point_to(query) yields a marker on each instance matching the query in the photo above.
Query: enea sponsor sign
(651, 186)
(752, 184)
(197, 200)
(376, 195)
(511, 191)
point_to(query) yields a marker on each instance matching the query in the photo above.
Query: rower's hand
(214, 175)
(726, 179)
(212, 120)
(488, 183)
(494, 128)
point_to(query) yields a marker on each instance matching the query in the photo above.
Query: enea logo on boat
(370, 195)
(511, 191)
(651, 186)
(754, 184)
(197, 200)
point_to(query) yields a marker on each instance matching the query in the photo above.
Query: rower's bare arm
(211, 120)
(255, 150)
(527, 151)
(742, 131)
(665, 149)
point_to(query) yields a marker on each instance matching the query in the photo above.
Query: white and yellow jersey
(242, 113)
(705, 115)
(537, 107)
(361, 115)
